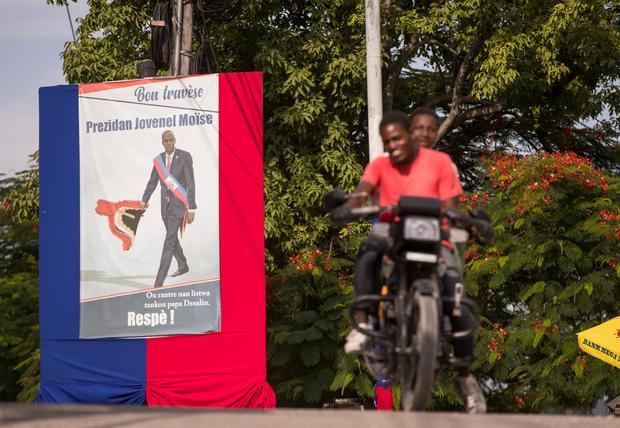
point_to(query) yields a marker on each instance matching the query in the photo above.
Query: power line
(70, 22)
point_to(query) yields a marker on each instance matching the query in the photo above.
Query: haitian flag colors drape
(220, 369)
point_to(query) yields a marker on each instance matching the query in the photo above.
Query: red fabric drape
(227, 369)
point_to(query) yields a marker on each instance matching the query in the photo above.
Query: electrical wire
(211, 11)
(70, 22)
(219, 10)
(161, 43)
(204, 60)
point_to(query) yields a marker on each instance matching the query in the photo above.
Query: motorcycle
(412, 331)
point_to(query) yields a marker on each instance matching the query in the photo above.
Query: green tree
(19, 328)
(526, 75)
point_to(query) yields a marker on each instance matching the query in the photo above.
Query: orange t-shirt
(430, 175)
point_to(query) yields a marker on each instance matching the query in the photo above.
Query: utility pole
(373, 77)
(186, 37)
(177, 29)
(182, 35)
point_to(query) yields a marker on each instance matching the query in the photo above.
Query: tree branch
(444, 99)
(445, 47)
(438, 67)
(459, 83)
(395, 68)
(477, 112)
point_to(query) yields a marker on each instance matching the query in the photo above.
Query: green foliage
(19, 329)
(314, 99)
(551, 273)
(19, 336)
(308, 301)
(525, 75)
(112, 38)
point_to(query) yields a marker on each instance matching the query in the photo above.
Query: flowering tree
(551, 273)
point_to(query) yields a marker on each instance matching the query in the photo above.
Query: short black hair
(424, 111)
(395, 116)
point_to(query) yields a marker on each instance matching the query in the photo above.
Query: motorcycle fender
(426, 286)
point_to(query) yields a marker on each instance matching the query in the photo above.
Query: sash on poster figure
(164, 277)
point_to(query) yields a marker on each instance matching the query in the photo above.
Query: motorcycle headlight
(421, 229)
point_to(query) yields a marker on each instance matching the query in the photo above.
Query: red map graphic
(123, 219)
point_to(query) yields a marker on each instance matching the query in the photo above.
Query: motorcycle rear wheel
(418, 368)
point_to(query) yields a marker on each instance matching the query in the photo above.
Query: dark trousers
(172, 247)
(367, 281)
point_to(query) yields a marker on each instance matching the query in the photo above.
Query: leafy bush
(307, 305)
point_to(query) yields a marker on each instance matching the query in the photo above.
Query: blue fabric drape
(72, 370)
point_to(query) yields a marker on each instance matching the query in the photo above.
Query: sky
(32, 36)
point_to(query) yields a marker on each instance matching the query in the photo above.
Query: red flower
(519, 401)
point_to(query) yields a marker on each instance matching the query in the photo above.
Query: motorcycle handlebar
(481, 228)
(365, 211)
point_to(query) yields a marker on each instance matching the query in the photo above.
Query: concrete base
(67, 416)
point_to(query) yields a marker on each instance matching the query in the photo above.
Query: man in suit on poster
(174, 171)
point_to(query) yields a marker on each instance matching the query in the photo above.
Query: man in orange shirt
(412, 170)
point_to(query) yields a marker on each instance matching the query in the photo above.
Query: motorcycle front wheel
(418, 368)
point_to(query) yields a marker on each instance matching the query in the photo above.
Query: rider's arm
(362, 187)
(450, 203)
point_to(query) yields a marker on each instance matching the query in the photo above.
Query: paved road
(65, 416)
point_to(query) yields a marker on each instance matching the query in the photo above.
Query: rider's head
(424, 126)
(397, 141)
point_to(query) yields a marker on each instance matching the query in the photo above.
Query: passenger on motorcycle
(410, 169)
(425, 128)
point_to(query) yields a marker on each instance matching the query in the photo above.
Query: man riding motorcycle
(411, 170)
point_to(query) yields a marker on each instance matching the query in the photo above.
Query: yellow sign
(602, 341)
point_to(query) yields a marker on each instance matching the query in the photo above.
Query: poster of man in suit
(173, 170)
(149, 260)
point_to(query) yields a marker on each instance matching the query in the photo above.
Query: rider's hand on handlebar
(341, 214)
(480, 213)
(483, 233)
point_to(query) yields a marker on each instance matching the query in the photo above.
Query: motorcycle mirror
(480, 213)
(334, 198)
(488, 234)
